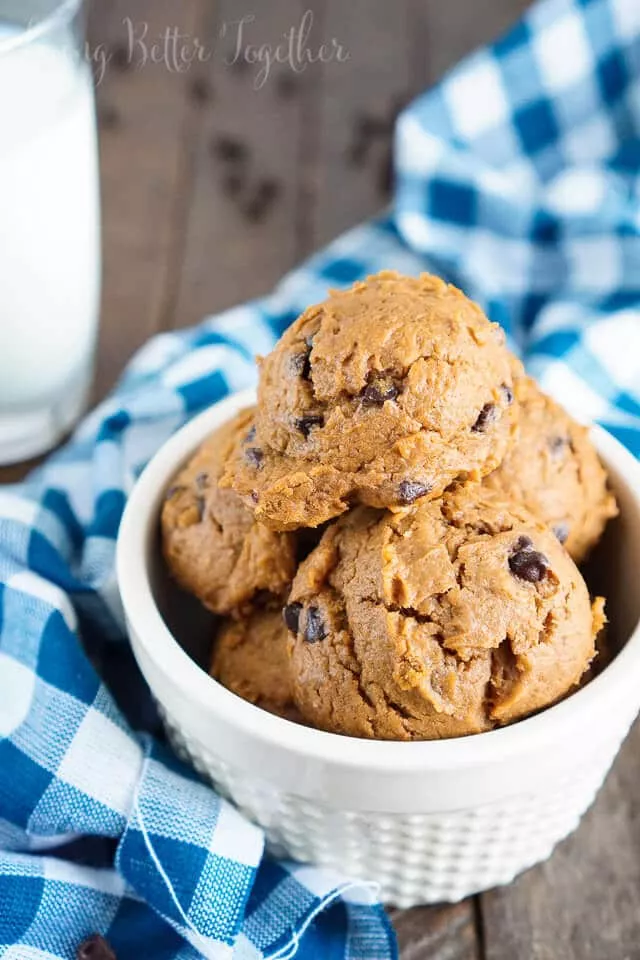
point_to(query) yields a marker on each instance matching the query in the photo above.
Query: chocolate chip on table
(378, 391)
(95, 947)
(301, 365)
(121, 57)
(200, 90)
(229, 149)
(255, 456)
(409, 491)
(291, 616)
(526, 563)
(286, 85)
(561, 531)
(263, 198)
(507, 393)
(314, 628)
(487, 416)
(306, 424)
(109, 116)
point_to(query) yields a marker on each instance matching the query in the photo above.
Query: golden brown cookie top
(554, 470)
(211, 542)
(448, 618)
(383, 394)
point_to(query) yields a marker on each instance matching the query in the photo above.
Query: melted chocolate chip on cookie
(487, 416)
(409, 491)
(306, 424)
(314, 628)
(291, 616)
(526, 563)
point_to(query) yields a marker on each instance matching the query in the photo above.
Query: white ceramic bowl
(430, 821)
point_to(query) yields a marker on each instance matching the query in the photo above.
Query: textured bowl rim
(539, 732)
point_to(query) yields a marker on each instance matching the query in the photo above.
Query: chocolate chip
(286, 85)
(557, 446)
(358, 150)
(109, 116)
(371, 127)
(255, 456)
(95, 947)
(200, 90)
(409, 491)
(487, 416)
(230, 150)
(301, 365)
(561, 531)
(523, 543)
(202, 480)
(507, 393)
(174, 491)
(377, 392)
(314, 628)
(291, 616)
(121, 57)
(306, 424)
(267, 191)
(251, 435)
(526, 563)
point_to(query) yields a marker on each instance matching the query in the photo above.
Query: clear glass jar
(49, 224)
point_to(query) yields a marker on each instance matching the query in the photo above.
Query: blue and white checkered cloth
(517, 178)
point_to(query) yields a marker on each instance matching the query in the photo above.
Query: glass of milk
(49, 224)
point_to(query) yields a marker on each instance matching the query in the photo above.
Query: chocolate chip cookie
(553, 469)
(383, 395)
(448, 618)
(250, 658)
(212, 544)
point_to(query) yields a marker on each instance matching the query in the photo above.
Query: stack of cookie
(392, 533)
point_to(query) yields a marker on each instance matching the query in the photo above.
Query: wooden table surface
(212, 190)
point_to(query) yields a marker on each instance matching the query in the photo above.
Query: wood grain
(358, 101)
(437, 933)
(236, 247)
(583, 903)
(457, 27)
(143, 111)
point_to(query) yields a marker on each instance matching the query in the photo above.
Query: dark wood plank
(359, 98)
(583, 904)
(457, 27)
(240, 227)
(143, 111)
(436, 933)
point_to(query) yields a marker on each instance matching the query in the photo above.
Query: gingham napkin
(517, 178)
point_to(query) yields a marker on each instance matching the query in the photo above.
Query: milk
(49, 241)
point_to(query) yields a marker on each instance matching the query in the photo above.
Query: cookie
(450, 618)
(212, 544)
(383, 395)
(250, 658)
(554, 470)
